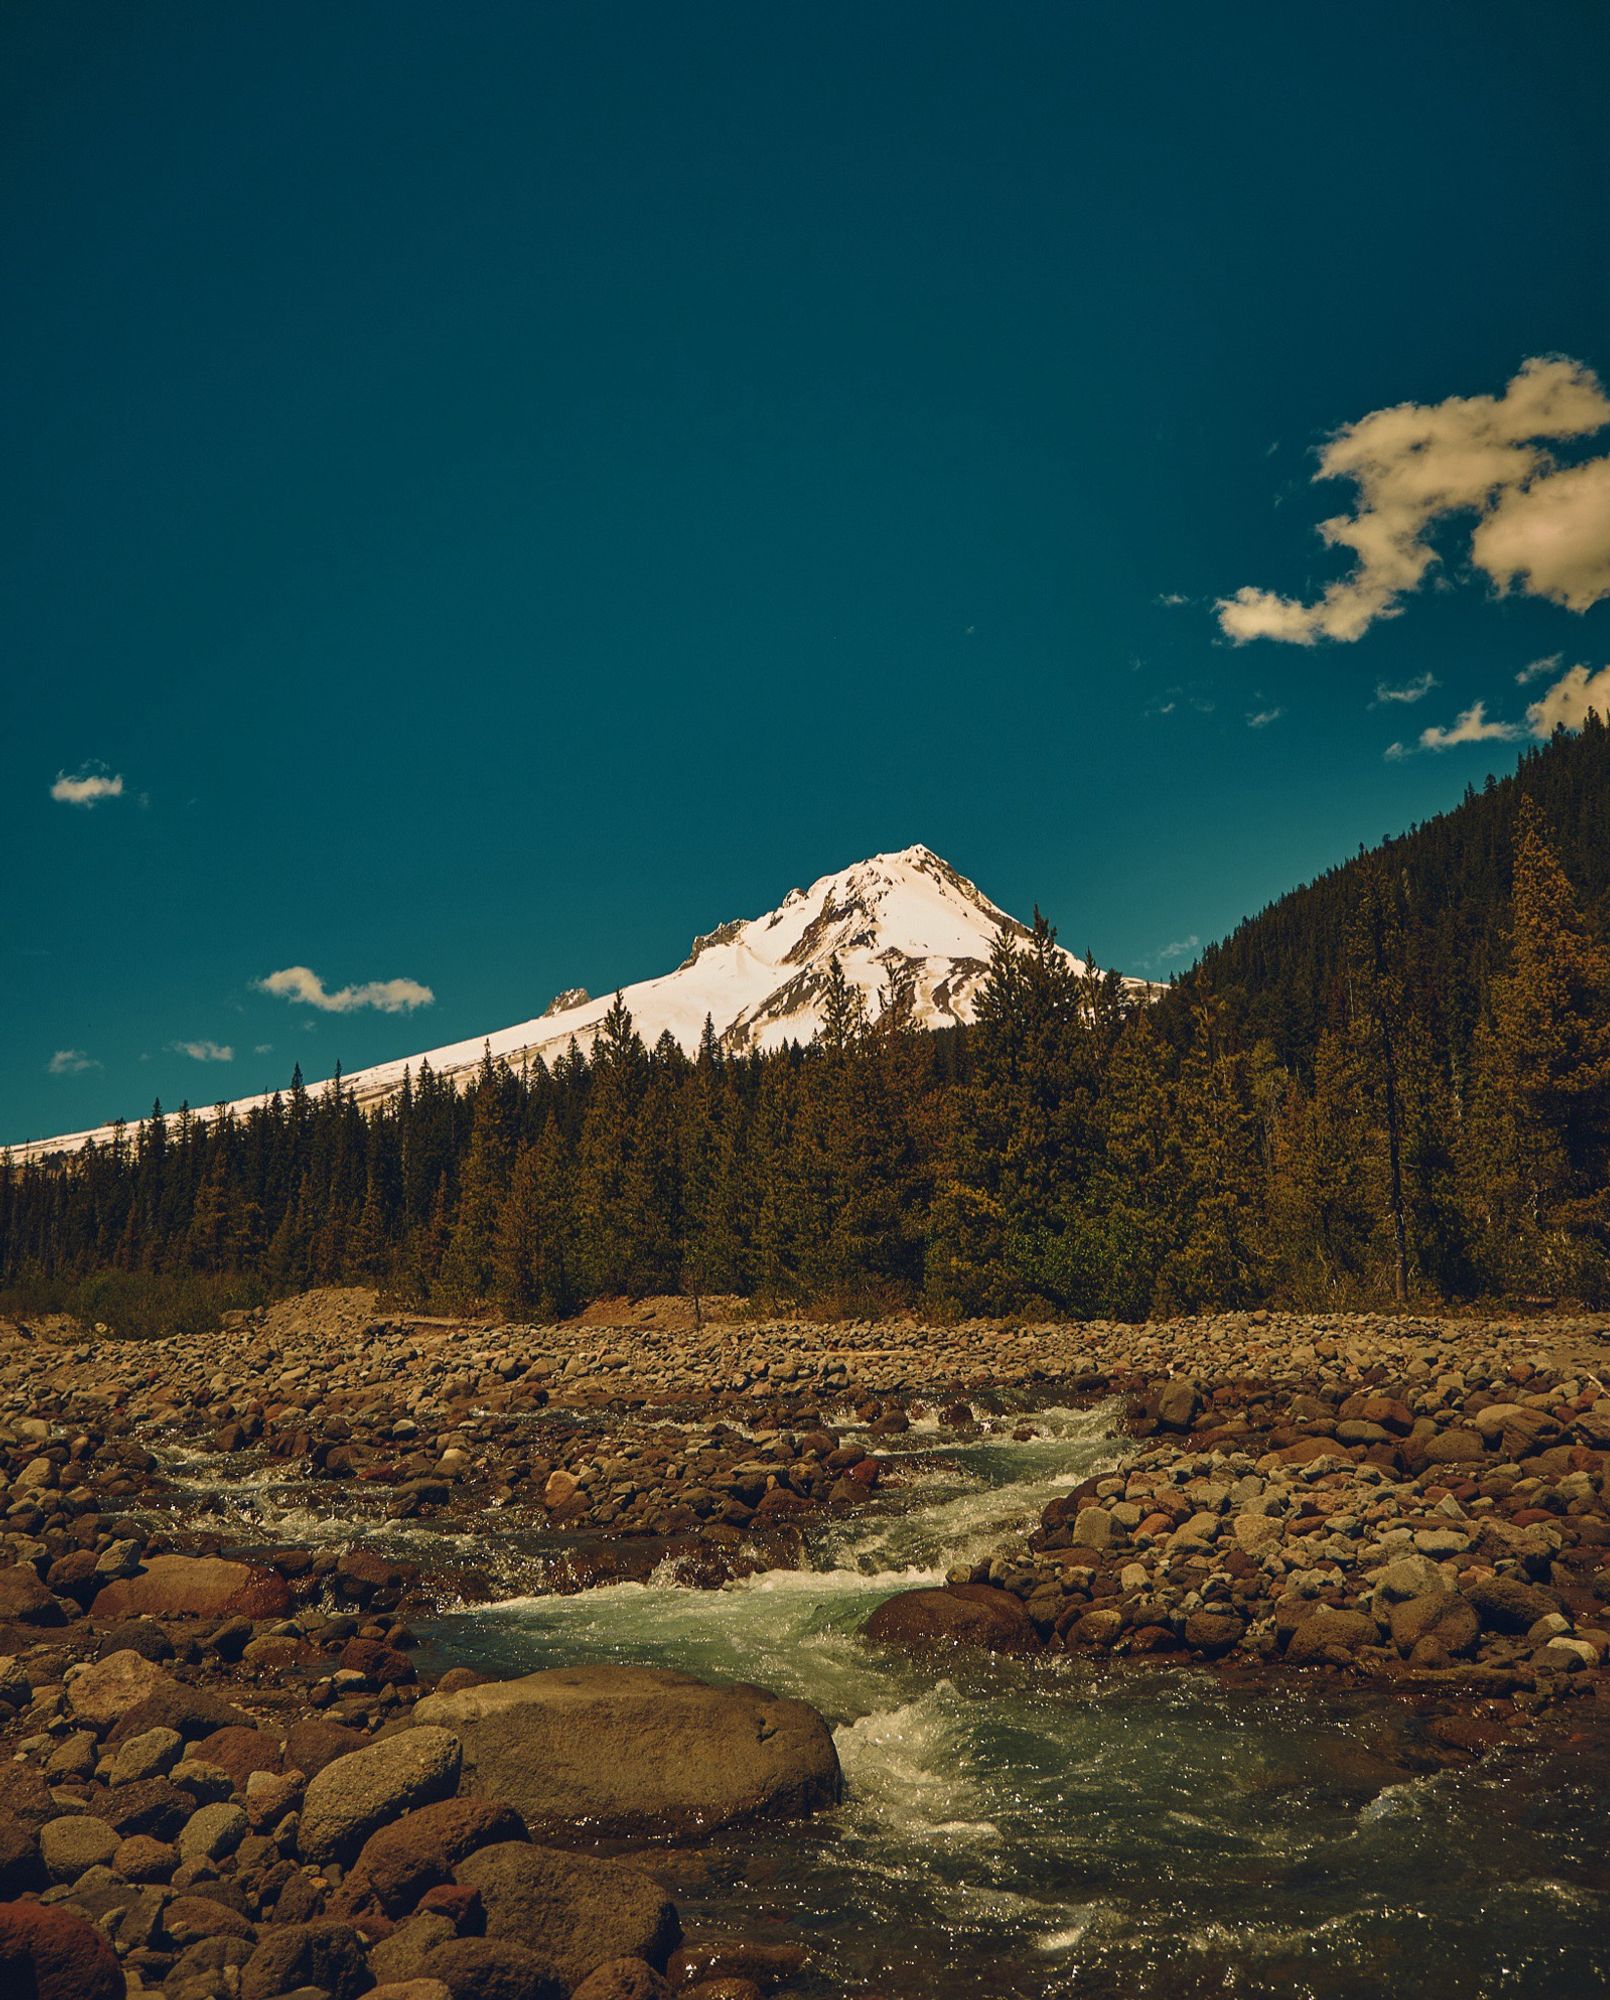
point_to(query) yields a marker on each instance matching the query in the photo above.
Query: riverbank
(1310, 1514)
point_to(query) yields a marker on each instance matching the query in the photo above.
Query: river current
(1056, 1830)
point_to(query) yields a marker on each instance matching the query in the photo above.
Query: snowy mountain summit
(906, 919)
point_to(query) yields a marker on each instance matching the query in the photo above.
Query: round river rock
(635, 1753)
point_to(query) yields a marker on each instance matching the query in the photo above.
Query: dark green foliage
(1393, 1085)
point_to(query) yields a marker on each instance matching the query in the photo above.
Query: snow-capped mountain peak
(894, 920)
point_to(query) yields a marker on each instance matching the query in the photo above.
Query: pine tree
(467, 1264)
(1536, 1152)
(534, 1253)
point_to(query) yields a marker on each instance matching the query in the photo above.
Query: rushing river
(1062, 1830)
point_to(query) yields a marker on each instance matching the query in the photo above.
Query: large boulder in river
(196, 1587)
(573, 1910)
(637, 1753)
(961, 1614)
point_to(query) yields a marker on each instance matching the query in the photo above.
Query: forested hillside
(1393, 1084)
(1281, 968)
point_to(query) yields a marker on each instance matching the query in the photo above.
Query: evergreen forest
(1392, 1086)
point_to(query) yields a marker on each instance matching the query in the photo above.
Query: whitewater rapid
(1060, 1829)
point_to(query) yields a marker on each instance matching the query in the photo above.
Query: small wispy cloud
(1171, 954)
(1172, 598)
(69, 1062)
(388, 996)
(262, 1048)
(1171, 700)
(203, 1051)
(1534, 670)
(87, 786)
(1260, 718)
(1471, 725)
(1415, 690)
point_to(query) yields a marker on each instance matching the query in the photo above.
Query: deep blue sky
(508, 487)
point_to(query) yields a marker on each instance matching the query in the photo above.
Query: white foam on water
(1068, 1936)
(911, 1776)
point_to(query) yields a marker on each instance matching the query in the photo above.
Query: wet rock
(1094, 1528)
(637, 1752)
(571, 1910)
(1443, 1617)
(1178, 1404)
(766, 1965)
(1213, 1630)
(1327, 1636)
(624, 1979)
(1507, 1604)
(356, 1794)
(196, 1587)
(967, 1614)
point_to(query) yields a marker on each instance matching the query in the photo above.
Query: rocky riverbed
(235, 1772)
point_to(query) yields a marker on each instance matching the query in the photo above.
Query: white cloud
(1534, 670)
(1543, 527)
(1172, 598)
(87, 786)
(389, 996)
(1567, 703)
(68, 1062)
(1415, 690)
(262, 1048)
(204, 1051)
(1260, 718)
(1470, 726)
(1180, 948)
(1552, 536)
